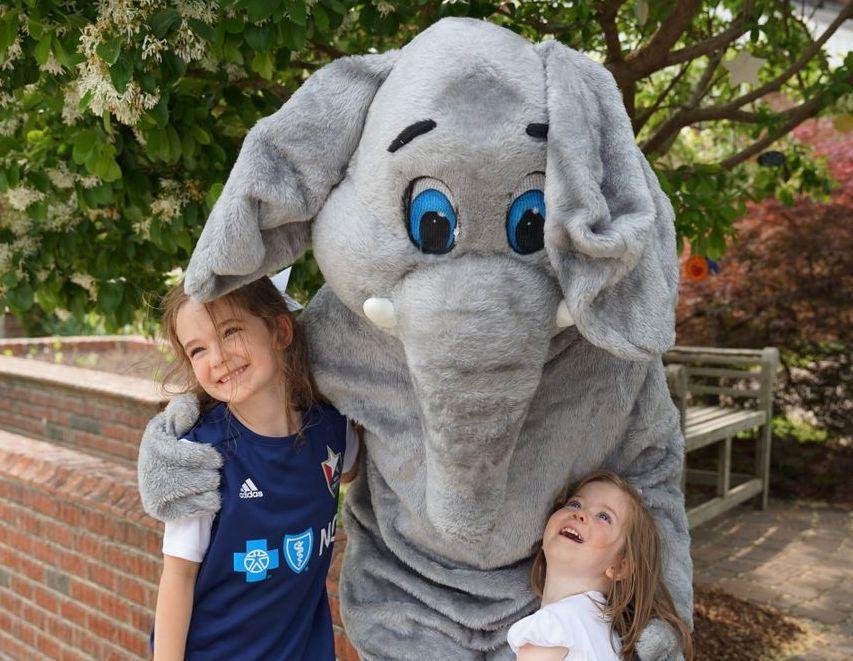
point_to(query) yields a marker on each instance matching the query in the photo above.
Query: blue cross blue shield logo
(297, 550)
(256, 561)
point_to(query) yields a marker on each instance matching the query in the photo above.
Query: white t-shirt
(188, 538)
(575, 623)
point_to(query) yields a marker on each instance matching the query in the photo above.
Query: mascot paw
(659, 642)
(177, 478)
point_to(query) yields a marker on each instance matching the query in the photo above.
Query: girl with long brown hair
(250, 582)
(599, 575)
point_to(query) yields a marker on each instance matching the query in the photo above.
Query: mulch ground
(730, 629)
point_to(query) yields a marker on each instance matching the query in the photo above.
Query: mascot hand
(659, 642)
(177, 478)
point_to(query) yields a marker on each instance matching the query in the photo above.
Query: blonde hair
(260, 299)
(642, 594)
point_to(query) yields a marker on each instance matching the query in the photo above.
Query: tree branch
(606, 14)
(797, 115)
(715, 43)
(690, 115)
(652, 55)
(668, 131)
(810, 52)
(641, 119)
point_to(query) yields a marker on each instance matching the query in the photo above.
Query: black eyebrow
(537, 131)
(410, 133)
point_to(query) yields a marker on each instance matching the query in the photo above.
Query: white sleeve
(541, 629)
(351, 452)
(188, 538)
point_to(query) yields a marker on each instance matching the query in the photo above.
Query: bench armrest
(676, 380)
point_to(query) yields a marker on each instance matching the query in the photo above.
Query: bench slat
(724, 418)
(696, 414)
(730, 422)
(696, 389)
(723, 373)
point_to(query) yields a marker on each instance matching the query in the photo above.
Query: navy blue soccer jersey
(261, 588)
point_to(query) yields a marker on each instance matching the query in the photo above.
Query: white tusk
(564, 317)
(381, 312)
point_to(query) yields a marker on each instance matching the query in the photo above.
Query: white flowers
(12, 53)
(60, 176)
(198, 9)
(188, 45)
(52, 66)
(87, 282)
(62, 215)
(152, 47)
(173, 197)
(21, 197)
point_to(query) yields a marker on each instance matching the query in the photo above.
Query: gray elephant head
(472, 195)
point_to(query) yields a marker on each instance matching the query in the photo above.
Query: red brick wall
(103, 414)
(79, 562)
(10, 326)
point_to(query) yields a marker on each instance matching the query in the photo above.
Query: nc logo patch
(332, 471)
(297, 550)
(256, 561)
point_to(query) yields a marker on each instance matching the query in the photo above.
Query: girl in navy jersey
(249, 583)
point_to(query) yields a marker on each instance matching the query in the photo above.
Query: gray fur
(476, 413)
(177, 479)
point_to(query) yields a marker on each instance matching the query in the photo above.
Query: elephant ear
(288, 164)
(610, 231)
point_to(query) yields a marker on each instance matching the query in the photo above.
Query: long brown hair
(261, 299)
(642, 594)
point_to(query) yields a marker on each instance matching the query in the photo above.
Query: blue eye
(525, 222)
(573, 504)
(604, 517)
(431, 219)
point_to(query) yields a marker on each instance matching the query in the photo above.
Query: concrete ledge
(130, 343)
(84, 380)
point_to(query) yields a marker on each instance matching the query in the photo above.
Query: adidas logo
(249, 490)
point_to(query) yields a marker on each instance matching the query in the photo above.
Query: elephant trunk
(475, 348)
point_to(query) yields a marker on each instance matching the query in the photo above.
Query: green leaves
(260, 38)
(92, 150)
(263, 64)
(163, 21)
(42, 51)
(120, 74)
(258, 10)
(109, 50)
(84, 145)
(9, 25)
(109, 296)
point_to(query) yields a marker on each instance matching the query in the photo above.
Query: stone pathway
(797, 557)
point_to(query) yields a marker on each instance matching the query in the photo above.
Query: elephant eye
(525, 221)
(430, 216)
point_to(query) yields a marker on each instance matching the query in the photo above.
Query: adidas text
(249, 490)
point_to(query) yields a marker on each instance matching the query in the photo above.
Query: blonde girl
(598, 573)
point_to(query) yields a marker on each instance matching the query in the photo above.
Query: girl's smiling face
(587, 535)
(232, 353)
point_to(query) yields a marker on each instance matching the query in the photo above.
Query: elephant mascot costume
(501, 278)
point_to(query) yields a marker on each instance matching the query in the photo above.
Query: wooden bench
(721, 392)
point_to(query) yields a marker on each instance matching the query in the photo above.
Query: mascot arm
(177, 478)
(651, 458)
